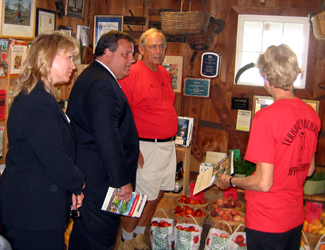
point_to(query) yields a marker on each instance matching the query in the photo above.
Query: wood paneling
(207, 134)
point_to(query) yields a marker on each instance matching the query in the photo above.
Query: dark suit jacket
(40, 176)
(105, 133)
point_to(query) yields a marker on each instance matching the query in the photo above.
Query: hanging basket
(318, 22)
(184, 23)
(202, 41)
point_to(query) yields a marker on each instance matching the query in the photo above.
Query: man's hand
(223, 181)
(77, 201)
(140, 160)
(125, 193)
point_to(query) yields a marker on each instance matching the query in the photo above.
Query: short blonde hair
(280, 65)
(38, 62)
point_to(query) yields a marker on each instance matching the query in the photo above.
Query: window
(256, 33)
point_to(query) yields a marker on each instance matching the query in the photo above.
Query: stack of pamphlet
(185, 131)
(132, 208)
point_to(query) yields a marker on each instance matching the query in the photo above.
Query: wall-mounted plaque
(239, 103)
(210, 64)
(198, 87)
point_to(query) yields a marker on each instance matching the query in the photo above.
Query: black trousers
(289, 240)
(96, 230)
(34, 240)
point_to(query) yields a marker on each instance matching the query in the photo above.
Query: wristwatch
(230, 181)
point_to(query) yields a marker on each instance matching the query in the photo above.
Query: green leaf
(244, 167)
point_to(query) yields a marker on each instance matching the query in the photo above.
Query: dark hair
(109, 41)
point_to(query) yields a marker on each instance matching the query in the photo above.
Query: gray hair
(143, 38)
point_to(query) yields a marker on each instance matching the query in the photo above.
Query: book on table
(208, 177)
(132, 208)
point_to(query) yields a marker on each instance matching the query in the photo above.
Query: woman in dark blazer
(40, 183)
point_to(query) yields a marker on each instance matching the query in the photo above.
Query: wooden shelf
(182, 154)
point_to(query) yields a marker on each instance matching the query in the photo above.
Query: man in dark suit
(106, 138)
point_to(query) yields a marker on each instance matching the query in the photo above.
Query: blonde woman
(40, 183)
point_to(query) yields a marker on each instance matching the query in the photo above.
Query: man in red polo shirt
(149, 91)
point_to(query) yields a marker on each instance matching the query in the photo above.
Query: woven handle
(305, 238)
(225, 223)
(241, 225)
(161, 210)
(189, 215)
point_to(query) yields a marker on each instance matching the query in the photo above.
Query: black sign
(240, 103)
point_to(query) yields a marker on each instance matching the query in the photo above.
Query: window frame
(271, 18)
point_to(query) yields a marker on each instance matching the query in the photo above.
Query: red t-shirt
(152, 100)
(283, 134)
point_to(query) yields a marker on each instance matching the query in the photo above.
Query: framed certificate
(45, 21)
(104, 24)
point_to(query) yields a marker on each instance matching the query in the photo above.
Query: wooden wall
(211, 132)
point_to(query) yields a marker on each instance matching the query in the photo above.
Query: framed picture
(83, 35)
(45, 21)
(174, 65)
(18, 53)
(74, 8)
(66, 29)
(197, 87)
(18, 19)
(104, 24)
(260, 102)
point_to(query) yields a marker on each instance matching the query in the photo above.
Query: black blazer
(40, 176)
(105, 133)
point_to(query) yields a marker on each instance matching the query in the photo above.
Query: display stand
(182, 154)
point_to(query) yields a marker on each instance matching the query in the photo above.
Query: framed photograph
(18, 53)
(18, 19)
(197, 87)
(260, 102)
(45, 21)
(104, 24)
(66, 29)
(83, 35)
(174, 65)
(74, 8)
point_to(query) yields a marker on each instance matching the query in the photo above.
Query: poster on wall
(174, 66)
(18, 19)
(17, 56)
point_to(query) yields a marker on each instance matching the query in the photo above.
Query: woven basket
(318, 22)
(205, 205)
(202, 41)
(184, 23)
(199, 220)
(239, 209)
(233, 224)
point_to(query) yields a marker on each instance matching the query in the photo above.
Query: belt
(158, 140)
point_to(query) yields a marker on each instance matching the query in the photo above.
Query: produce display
(188, 200)
(162, 223)
(227, 215)
(186, 210)
(188, 229)
(240, 240)
(229, 202)
(315, 227)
